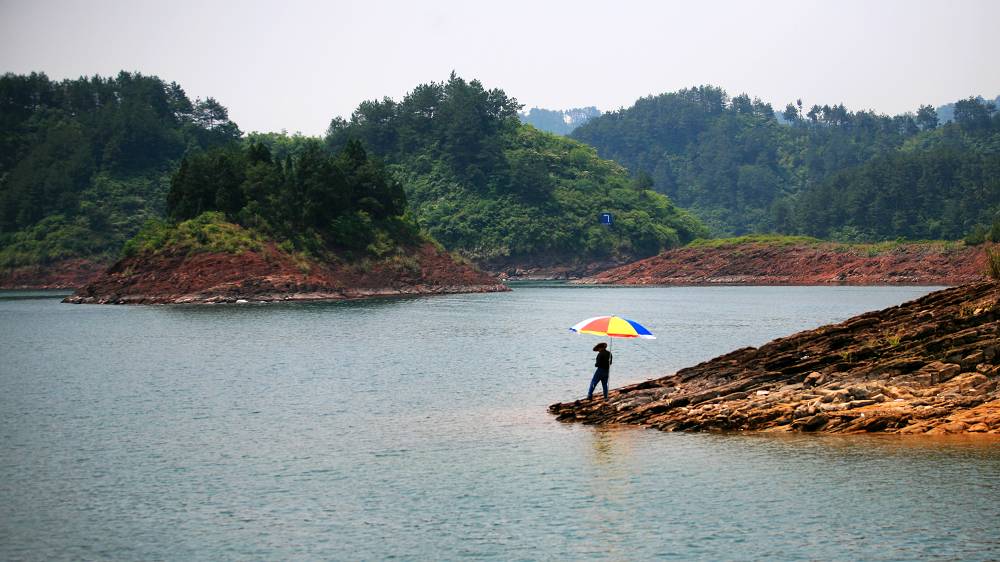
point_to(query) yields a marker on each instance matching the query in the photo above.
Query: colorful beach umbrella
(613, 327)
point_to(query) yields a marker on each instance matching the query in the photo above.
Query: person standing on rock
(603, 365)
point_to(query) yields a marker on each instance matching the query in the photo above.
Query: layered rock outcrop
(270, 274)
(804, 264)
(931, 365)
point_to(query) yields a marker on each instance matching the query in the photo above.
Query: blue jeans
(601, 374)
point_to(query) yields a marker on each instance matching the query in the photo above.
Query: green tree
(927, 118)
(974, 114)
(791, 113)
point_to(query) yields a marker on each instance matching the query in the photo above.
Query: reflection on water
(604, 446)
(416, 429)
(610, 516)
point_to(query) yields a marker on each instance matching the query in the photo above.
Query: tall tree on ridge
(927, 118)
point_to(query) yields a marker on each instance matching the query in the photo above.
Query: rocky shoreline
(733, 264)
(235, 295)
(271, 274)
(757, 263)
(553, 270)
(931, 366)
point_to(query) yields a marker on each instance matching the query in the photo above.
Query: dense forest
(826, 172)
(560, 122)
(84, 163)
(492, 188)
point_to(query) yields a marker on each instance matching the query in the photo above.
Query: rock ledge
(931, 365)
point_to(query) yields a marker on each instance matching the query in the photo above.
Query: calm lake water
(416, 429)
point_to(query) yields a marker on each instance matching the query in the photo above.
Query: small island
(245, 226)
(263, 272)
(930, 365)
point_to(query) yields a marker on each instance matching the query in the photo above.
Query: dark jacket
(603, 359)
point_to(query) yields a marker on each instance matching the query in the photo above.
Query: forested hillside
(482, 183)
(84, 163)
(827, 172)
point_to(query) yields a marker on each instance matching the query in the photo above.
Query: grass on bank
(870, 249)
(211, 232)
(208, 232)
(768, 239)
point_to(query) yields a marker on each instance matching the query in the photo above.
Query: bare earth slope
(272, 274)
(803, 264)
(931, 365)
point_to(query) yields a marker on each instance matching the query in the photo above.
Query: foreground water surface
(416, 429)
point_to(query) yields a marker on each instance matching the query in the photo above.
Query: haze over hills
(560, 122)
(565, 121)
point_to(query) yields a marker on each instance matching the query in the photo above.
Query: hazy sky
(294, 65)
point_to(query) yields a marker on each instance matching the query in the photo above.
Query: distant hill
(828, 172)
(559, 122)
(501, 192)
